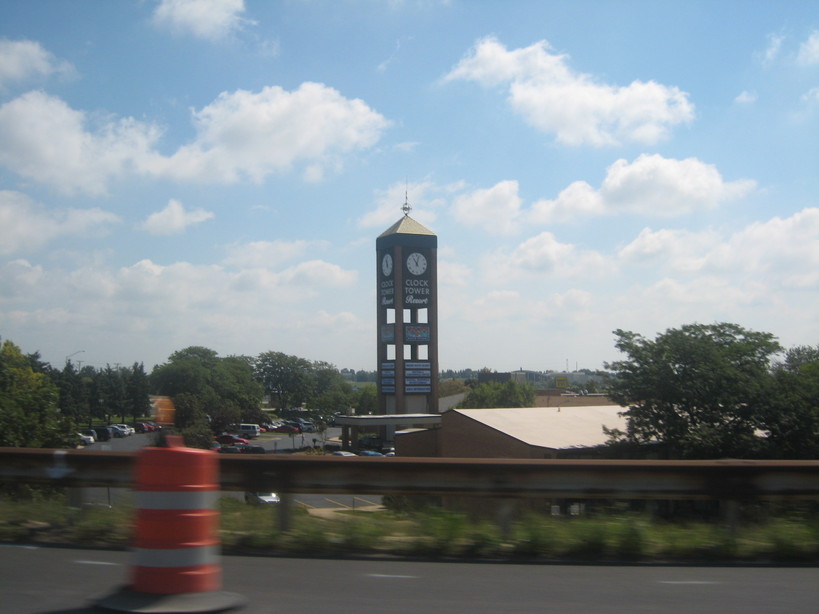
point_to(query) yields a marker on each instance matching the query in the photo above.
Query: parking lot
(273, 443)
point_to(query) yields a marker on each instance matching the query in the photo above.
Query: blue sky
(216, 172)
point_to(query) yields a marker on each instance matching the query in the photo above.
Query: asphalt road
(69, 581)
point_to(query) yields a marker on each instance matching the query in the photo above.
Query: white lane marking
(367, 501)
(346, 507)
(384, 575)
(688, 582)
(95, 563)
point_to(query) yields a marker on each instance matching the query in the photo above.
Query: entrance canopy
(395, 420)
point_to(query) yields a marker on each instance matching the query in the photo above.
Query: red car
(286, 428)
(230, 440)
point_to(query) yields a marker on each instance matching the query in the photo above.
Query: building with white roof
(517, 432)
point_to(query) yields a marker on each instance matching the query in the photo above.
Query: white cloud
(809, 50)
(496, 209)
(573, 106)
(250, 135)
(268, 254)
(453, 274)
(240, 136)
(207, 19)
(147, 304)
(42, 138)
(23, 59)
(771, 52)
(543, 255)
(682, 250)
(651, 185)
(746, 97)
(174, 219)
(666, 187)
(780, 253)
(811, 96)
(26, 226)
(318, 274)
(783, 252)
(577, 200)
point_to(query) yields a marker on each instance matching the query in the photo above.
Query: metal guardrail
(577, 479)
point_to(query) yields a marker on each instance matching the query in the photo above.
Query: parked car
(85, 440)
(369, 453)
(127, 429)
(230, 440)
(229, 450)
(248, 431)
(251, 449)
(78, 439)
(307, 427)
(103, 433)
(287, 428)
(91, 433)
(118, 431)
(344, 453)
(261, 498)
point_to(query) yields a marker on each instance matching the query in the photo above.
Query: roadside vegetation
(611, 535)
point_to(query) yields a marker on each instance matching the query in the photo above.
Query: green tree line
(698, 391)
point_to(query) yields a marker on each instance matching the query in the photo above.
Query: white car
(86, 440)
(261, 498)
(128, 430)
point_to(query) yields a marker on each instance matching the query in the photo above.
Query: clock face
(386, 265)
(416, 263)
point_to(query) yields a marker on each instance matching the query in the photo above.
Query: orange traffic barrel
(176, 548)
(176, 543)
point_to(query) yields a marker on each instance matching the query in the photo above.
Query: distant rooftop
(557, 428)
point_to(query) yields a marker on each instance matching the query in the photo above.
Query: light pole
(68, 358)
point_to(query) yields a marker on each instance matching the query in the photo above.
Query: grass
(436, 533)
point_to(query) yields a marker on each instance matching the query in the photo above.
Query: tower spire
(406, 207)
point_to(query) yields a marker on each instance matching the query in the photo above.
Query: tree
(137, 390)
(496, 394)
(235, 385)
(72, 398)
(791, 417)
(223, 388)
(29, 414)
(700, 390)
(365, 400)
(451, 387)
(288, 380)
(111, 388)
(189, 410)
(331, 392)
(798, 356)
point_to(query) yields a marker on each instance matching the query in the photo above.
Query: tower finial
(406, 208)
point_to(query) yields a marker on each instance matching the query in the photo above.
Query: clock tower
(407, 318)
